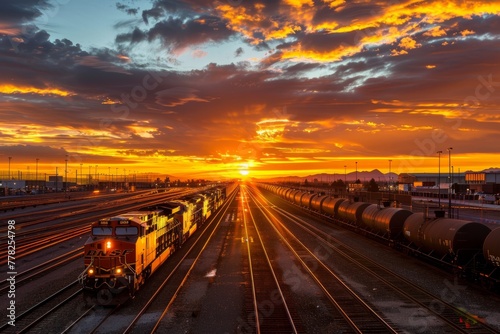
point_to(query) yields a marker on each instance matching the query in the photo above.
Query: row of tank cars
(123, 251)
(471, 248)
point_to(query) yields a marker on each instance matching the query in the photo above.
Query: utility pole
(439, 178)
(66, 175)
(390, 177)
(36, 175)
(449, 176)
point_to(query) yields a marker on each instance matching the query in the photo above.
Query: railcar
(305, 201)
(331, 205)
(453, 240)
(316, 202)
(123, 251)
(385, 220)
(491, 248)
(297, 198)
(291, 194)
(351, 211)
(490, 274)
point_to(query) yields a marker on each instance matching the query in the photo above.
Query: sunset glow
(232, 89)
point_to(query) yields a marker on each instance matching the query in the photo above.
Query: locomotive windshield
(102, 231)
(122, 230)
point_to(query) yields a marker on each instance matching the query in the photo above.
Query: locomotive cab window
(102, 231)
(122, 230)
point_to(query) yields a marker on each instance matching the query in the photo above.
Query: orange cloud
(12, 89)
(467, 32)
(409, 43)
(435, 32)
(386, 27)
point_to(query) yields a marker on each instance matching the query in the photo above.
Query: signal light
(108, 244)
(91, 271)
(119, 270)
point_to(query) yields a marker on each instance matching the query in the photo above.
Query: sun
(244, 172)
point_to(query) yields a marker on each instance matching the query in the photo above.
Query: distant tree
(306, 183)
(372, 186)
(339, 184)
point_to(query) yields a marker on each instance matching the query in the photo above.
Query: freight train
(472, 249)
(123, 251)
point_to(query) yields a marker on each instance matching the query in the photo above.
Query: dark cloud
(17, 12)
(127, 9)
(177, 8)
(239, 51)
(177, 34)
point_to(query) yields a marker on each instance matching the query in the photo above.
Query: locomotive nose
(104, 297)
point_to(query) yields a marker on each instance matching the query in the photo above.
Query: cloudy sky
(269, 87)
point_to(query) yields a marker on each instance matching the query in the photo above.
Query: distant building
(13, 184)
(486, 182)
(55, 178)
(481, 177)
(405, 178)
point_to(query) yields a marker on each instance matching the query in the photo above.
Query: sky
(243, 88)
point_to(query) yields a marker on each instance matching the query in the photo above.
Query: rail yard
(250, 262)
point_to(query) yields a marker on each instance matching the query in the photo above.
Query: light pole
(449, 176)
(36, 173)
(66, 175)
(9, 166)
(345, 177)
(81, 175)
(439, 178)
(390, 177)
(355, 181)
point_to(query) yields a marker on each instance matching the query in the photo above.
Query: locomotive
(123, 251)
(472, 249)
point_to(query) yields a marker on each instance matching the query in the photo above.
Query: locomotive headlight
(108, 244)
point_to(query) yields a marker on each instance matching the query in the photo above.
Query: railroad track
(28, 275)
(455, 320)
(452, 318)
(28, 242)
(265, 299)
(33, 316)
(354, 314)
(62, 209)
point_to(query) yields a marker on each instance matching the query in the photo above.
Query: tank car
(330, 205)
(297, 197)
(459, 240)
(305, 201)
(291, 194)
(491, 248)
(285, 193)
(385, 220)
(317, 201)
(351, 211)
